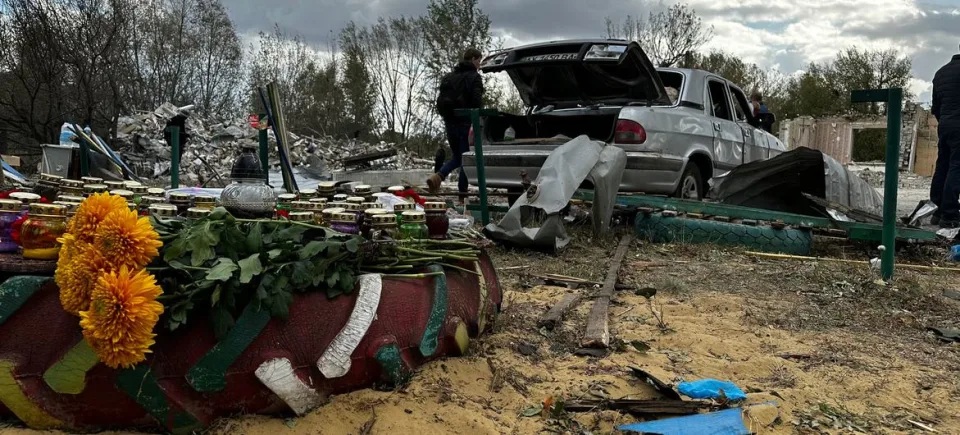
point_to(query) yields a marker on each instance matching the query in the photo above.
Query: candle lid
(304, 206)
(148, 200)
(25, 197)
(286, 197)
(132, 205)
(340, 197)
(414, 217)
(308, 193)
(356, 199)
(352, 206)
(138, 190)
(434, 206)
(114, 184)
(329, 212)
(163, 210)
(95, 188)
(126, 194)
(319, 200)
(300, 216)
(367, 205)
(10, 205)
(197, 212)
(50, 178)
(91, 180)
(70, 207)
(395, 189)
(131, 184)
(376, 211)
(71, 184)
(41, 209)
(180, 197)
(156, 191)
(404, 206)
(327, 185)
(362, 189)
(345, 217)
(69, 198)
(204, 199)
(384, 219)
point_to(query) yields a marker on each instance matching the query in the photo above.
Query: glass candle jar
(307, 194)
(114, 185)
(26, 199)
(9, 213)
(71, 187)
(414, 225)
(285, 204)
(91, 180)
(384, 226)
(340, 197)
(90, 189)
(156, 191)
(359, 200)
(370, 204)
(130, 185)
(400, 208)
(363, 190)
(183, 201)
(123, 193)
(345, 223)
(143, 207)
(71, 208)
(438, 222)
(197, 213)
(321, 201)
(206, 202)
(163, 211)
(300, 216)
(45, 224)
(366, 226)
(48, 186)
(326, 216)
(327, 189)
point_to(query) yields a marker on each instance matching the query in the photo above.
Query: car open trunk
(573, 88)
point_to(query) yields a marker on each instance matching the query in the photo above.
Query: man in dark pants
(462, 88)
(945, 187)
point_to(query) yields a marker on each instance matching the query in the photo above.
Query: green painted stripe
(69, 375)
(209, 374)
(140, 384)
(392, 364)
(438, 312)
(15, 291)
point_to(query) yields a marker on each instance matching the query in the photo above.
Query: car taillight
(629, 132)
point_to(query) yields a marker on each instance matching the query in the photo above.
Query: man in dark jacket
(462, 88)
(945, 187)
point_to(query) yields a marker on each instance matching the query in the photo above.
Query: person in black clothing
(945, 186)
(459, 89)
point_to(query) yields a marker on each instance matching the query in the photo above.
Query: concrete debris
(212, 146)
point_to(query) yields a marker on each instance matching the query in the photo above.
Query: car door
(727, 134)
(754, 142)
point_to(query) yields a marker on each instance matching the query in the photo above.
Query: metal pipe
(891, 181)
(174, 156)
(264, 154)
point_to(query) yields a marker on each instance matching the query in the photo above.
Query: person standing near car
(945, 186)
(460, 89)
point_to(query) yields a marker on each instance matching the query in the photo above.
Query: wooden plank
(552, 318)
(15, 264)
(598, 324)
(642, 407)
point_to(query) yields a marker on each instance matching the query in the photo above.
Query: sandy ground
(837, 352)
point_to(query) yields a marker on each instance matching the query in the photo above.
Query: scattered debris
(711, 389)
(726, 422)
(598, 330)
(552, 318)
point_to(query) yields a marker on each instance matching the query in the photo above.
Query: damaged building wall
(834, 136)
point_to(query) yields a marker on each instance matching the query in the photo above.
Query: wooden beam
(598, 324)
(552, 318)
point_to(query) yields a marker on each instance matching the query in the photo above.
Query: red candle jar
(437, 221)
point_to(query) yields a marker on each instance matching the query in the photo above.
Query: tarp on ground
(780, 182)
(534, 221)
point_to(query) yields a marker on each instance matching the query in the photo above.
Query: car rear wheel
(691, 184)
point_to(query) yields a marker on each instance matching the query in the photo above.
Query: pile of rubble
(212, 146)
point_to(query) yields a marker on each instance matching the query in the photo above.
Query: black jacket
(474, 84)
(946, 93)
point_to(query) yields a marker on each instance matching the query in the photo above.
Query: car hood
(580, 73)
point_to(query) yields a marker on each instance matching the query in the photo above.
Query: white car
(610, 91)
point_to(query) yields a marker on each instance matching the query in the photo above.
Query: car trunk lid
(580, 73)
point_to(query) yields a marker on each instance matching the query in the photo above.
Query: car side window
(740, 104)
(719, 102)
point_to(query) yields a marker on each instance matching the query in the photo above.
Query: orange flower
(123, 312)
(78, 267)
(127, 239)
(91, 212)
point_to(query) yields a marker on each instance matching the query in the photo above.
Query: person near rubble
(180, 121)
(945, 186)
(460, 89)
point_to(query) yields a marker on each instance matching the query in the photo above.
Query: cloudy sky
(780, 34)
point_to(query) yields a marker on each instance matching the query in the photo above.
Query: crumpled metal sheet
(845, 187)
(534, 221)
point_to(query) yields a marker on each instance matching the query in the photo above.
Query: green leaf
(175, 249)
(274, 253)
(532, 411)
(215, 296)
(333, 278)
(218, 213)
(313, 248)
(292, 232)
(255, 238)
(249, 267)
(301, 274)
(640, 346)
(280, 304)
(223, 270)
(352, 245)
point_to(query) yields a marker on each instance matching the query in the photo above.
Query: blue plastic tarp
(711, 389)
(727, 422)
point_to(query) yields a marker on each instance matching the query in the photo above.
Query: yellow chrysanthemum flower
(77, 271)
(127, 239)
(91, 212)
(123, 312)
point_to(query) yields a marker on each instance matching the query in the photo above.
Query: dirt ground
(837, 351)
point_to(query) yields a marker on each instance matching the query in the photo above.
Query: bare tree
(218, 59)
(666, 35)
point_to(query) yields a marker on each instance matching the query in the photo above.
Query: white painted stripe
(278, 375)
(335, 361)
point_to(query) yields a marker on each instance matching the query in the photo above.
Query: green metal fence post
(481, 170)
(174, 157)
(893, 99)
(264, 155)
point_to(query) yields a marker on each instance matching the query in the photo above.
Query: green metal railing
(474, 116)
(894, 100)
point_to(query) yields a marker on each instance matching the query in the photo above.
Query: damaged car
(609, 91)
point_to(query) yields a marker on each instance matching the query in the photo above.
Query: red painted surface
(39, 334)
